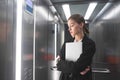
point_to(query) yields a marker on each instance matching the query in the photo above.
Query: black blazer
(71, 70)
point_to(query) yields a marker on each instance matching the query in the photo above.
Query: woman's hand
(85, 71)
(57, 59)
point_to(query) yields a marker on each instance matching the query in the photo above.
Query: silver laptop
(73, 50)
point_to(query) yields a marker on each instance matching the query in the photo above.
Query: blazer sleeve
(83, 61)
(62, 52)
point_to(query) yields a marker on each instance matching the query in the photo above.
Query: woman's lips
(70, 32)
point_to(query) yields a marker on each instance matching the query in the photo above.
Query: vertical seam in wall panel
(34, 43)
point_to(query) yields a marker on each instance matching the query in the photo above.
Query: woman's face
(74, 28)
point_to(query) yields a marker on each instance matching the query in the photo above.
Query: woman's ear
(81, 25)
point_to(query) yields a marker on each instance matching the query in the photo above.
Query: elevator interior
(44, 30)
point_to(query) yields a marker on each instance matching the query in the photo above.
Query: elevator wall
(49, 37)
(105, 32)
(6, 39)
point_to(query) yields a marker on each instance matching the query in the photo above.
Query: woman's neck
(79, 36)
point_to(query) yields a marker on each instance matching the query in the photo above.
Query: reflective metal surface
(6, 40)
(49, 37)
(48, 40)
(105, 31)
(27, 44)
(44, 40)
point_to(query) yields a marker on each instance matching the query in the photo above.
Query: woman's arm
(84, 60)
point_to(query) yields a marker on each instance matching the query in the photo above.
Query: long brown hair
(79, 18)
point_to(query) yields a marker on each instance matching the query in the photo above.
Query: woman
(80, 69)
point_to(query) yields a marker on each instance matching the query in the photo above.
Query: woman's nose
(69, 29)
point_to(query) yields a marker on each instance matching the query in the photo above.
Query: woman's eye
(72, 25)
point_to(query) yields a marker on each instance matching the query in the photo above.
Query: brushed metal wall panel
(105, 32)
(6, 39)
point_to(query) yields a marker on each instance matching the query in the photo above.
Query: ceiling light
(66, 9)
(90, 10)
